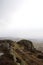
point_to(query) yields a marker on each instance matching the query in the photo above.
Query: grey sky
(21, 18)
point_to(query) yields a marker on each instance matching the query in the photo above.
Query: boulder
(27, 44)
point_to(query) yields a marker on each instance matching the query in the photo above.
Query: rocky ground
(19, 53)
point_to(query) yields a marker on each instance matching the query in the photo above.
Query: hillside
(19, 53)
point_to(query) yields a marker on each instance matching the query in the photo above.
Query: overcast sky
(21, 18)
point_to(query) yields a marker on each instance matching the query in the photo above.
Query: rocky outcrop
(27, 44)
(19, 53)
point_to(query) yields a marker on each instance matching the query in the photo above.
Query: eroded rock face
(6, 58)
(19, 53)
(27, 44)
(5, 44)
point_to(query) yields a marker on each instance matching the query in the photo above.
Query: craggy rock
(27, 44)
(19, 53)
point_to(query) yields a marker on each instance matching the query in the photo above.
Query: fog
(21, 18)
